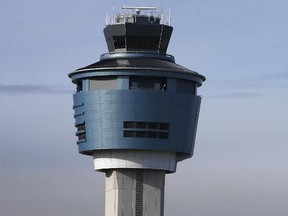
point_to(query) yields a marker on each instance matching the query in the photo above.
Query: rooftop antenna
(161, 15)
(113, 13)
(107, 19)
(169, 19)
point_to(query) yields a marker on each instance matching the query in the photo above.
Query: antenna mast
(169, 19)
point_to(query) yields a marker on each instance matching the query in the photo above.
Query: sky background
(240, 163)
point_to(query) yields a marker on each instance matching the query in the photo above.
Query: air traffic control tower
(136, 112)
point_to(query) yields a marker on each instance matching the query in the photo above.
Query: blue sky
(240, 162)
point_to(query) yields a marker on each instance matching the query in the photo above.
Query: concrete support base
(134, 159)
(134, 192)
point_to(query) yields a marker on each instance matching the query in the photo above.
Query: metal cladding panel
(105, 111)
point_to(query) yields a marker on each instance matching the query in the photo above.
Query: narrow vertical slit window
(81, 132)
(79, 87)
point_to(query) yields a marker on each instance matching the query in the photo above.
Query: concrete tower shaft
(136, 113)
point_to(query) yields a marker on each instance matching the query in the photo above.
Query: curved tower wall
(118, 117)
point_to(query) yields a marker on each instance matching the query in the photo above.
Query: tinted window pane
(142, 42)
(152, 125)
(186, 87)
(119, 42)
(147, 83)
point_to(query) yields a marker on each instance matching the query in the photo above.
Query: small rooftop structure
(143, 15)
(150, 17)
(138, 28)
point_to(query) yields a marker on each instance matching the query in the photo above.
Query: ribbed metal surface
(132, 63)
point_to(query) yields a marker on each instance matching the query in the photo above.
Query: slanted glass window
(186, 86)
(142, 42)
(147, 83)
(98, 83)
(119, 42)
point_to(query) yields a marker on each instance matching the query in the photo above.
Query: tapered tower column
(136, 112)
(134, 192)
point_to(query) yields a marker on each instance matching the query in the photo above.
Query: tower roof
(138, 62)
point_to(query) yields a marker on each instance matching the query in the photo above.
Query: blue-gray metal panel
(104, 117)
